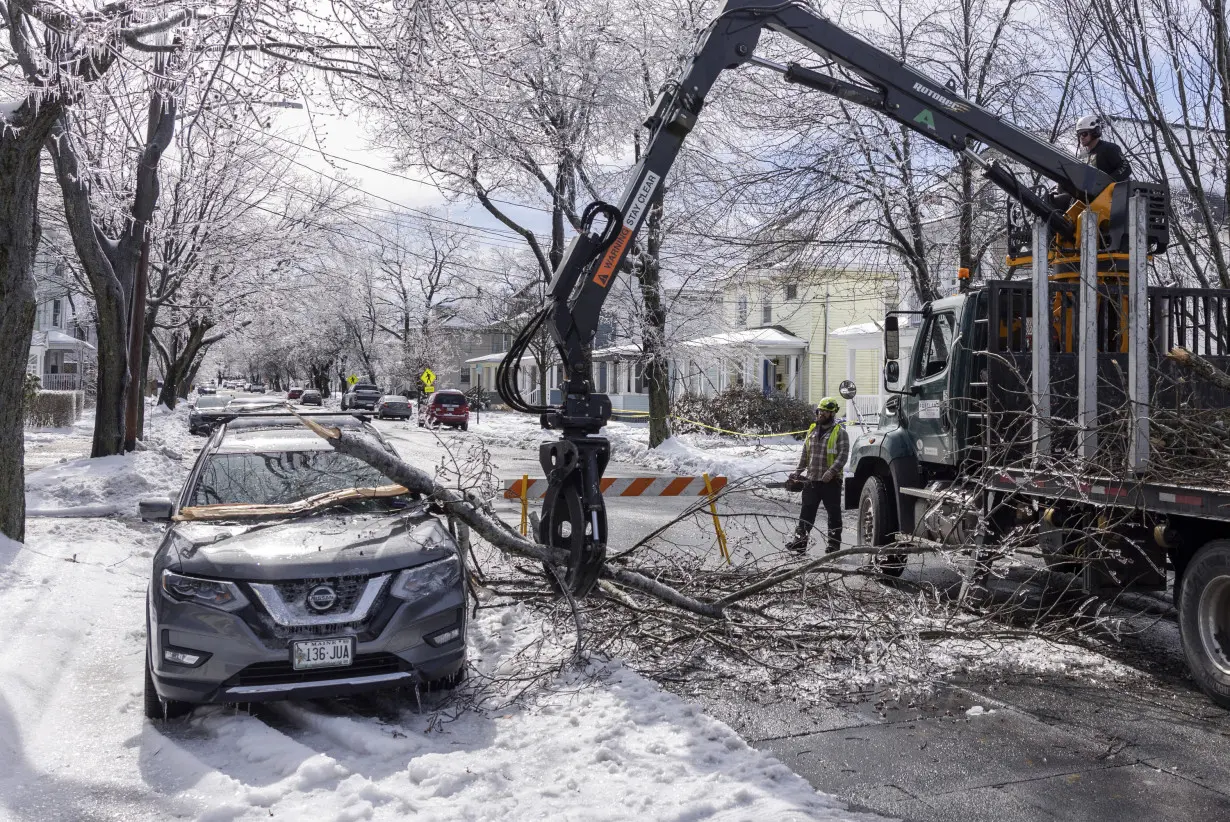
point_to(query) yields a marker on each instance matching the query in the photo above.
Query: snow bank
(113, 485)
(107, 485)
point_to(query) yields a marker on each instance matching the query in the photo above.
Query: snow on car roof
(278, 439)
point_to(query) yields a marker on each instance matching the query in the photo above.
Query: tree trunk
(110, 294)
(20, 149)
(653, 328)
(180, 364)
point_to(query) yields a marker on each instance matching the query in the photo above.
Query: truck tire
(877, 522)
(1204, 619)
(1056, 545)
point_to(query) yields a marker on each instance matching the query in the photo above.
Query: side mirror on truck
(892, 372)
(892, 340)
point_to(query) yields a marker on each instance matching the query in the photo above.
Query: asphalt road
(1145, 747)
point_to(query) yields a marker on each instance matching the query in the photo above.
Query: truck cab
(928, 428)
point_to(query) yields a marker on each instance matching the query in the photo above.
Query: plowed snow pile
(114, 485)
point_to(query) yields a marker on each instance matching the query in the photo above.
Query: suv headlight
(215, 593)
(426, 579)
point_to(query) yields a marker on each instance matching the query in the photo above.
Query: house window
(741, 310)
(766, 311)
(792, 291)
(465, 377)
(55, 313)
(496, 339)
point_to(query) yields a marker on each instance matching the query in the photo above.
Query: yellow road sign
(352, 379)
(428, 378)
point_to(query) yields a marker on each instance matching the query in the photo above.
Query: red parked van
(445, 408)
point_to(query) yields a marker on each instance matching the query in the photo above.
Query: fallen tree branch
(471, 512)
(1200, 366)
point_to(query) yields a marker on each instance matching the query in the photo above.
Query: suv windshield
(450, 400)
(280, 478)
(365, 387)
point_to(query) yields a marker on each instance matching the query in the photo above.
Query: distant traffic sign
(352, 379)
(428, 378)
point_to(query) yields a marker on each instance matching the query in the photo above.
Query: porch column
(791, 373)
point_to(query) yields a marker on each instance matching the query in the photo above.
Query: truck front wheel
(877, 522)
(1204, 619)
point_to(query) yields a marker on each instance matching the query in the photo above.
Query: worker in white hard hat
(1103, 155)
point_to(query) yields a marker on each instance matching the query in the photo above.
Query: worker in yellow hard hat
(821, 465)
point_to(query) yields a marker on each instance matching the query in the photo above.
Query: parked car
(206, 414)
(448, 407)
(258, 594)
(294, 393)
(362, 395)
(257, 388)
(311, 396)
(394, 405)
(203, 390)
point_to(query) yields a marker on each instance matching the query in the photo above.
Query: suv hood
(312, 546)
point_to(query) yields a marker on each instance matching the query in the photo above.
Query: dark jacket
(1109, 158)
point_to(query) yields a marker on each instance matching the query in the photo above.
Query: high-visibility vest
(830, 450)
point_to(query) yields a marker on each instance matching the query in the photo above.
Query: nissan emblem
(321, 598)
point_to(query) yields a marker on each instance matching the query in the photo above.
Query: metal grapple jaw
(573, 513)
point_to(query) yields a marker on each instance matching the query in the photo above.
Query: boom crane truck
(989, 426)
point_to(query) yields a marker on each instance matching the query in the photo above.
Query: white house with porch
(62, 352)
(769, 358)
(482, 372)
(864, 344)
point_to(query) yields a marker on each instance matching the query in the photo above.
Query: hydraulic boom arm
(573, 514)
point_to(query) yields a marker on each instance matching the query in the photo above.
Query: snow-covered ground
(597, 743)
(769, 459)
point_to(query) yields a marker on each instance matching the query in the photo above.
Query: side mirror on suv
(155, 509)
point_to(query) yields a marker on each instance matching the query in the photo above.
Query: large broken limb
(1200, 367)
(490, 528)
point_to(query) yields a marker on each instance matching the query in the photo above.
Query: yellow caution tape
(711, 427)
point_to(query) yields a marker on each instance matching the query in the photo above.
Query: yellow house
(813, 308)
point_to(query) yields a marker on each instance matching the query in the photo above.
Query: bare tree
(49, 58)
(1168, 95)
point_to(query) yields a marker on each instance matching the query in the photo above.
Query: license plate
(321, 653)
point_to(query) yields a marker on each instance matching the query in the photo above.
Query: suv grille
(282, 673)
(294, 593)
(283, 612)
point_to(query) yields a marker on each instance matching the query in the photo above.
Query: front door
(927, 408)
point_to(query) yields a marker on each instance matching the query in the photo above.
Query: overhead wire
(495, 233)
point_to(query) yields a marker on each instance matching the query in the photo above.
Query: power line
(504, 234)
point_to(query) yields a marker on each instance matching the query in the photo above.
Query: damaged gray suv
(293, 571)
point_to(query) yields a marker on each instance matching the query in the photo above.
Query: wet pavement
(1138, 747)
